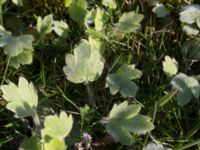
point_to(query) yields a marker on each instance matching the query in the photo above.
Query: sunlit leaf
(129, 22)
(121, 81)
(55, 144)
(109, 3)
(190, 30)
(190, 14)
(99, 19)
(18, 2)
(170, 66)
(125, 119)
(78, 10)
(67, 3)
(57, 127)
(160, 10)
(154, 146)
(22, 99)
(61, 28)
(85, 65)
(44, 26)
(186, 86)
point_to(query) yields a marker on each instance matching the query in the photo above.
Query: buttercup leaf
(22, 99)
(125, 119)
(31, 143)
(186, 86)
(44, 26)
(160, 10)
(61, 28)
(121, 81)
(170, 66)
(55, 144)
(78, 10)
(57, 127)
(109, 3)
(85, 65)
(129, 22)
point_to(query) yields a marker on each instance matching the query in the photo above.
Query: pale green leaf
(190, 30)
(119, 133)
(170, 66)
(129, 72)
(31, 143)
(186, 86)
(154, 146)
(160, 10)
(121, 81)
(96, 44)
(25, 57)
(139, 124)
(44, 26)
(125, 119)
(190, 14)
(124, 111)
(85, 65)
(128, 22)
(194, 86)
(61, 28)
(78, 10)
(55, 144)
(110, 4)
(117, 109)
(191, 50)
(18, 2)
(57, 127)
(22, 99)
(99, 20)
(67, 3)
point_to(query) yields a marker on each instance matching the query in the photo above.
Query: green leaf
(85, 65)
(154, 146)
(18, 2)
(78, 10)
(119, 133)
(31, 143)
(124, 111)
(121, 81)
(191, 50)
(186, 86)
(99, 20)
(67, 3)
(61, 28)
(55, 144)
(160, 10)
(96, 44)
(109, 3)
(57, 127)
(2, 1)
(44, 26)
(128, 22)
(138, 124)
(26, 57)
(125, 119)
(190, 14)
(22, 99)
(170, 66)
(190, 30)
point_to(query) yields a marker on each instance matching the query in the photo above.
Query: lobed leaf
(44, 26)
(170, 66)
(86, 65)
(22, 99)
(57, 127)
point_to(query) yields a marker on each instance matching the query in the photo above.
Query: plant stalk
(91, 100)
(37, 123)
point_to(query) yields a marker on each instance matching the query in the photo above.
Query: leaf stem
(91, 100)
(5, 72)
(37, 123)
